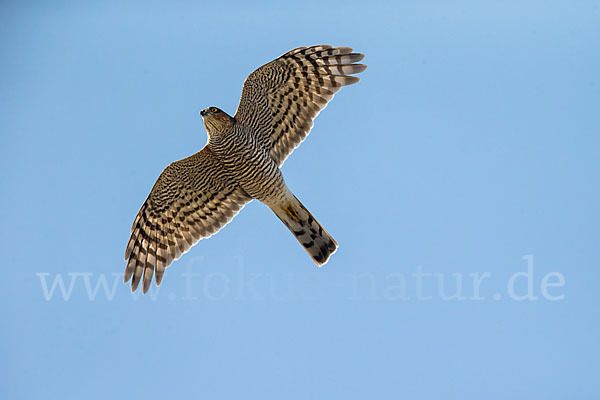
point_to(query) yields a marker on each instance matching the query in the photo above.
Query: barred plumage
(281, 99)
(195, 197)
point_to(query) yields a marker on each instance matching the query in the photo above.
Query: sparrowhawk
(195, 197)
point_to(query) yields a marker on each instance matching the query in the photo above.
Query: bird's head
(216, 120)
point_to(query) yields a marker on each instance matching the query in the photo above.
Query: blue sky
(467, 155)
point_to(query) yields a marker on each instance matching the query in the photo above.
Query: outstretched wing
(281, 99)
(190, 200)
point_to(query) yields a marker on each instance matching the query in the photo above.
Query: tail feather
(312, 236)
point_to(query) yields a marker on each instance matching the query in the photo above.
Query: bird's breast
(249, 164)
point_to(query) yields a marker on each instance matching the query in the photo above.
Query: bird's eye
(214, 109)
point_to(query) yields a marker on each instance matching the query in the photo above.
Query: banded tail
(312, 236)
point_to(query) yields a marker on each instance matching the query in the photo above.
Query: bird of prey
(195, 197)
